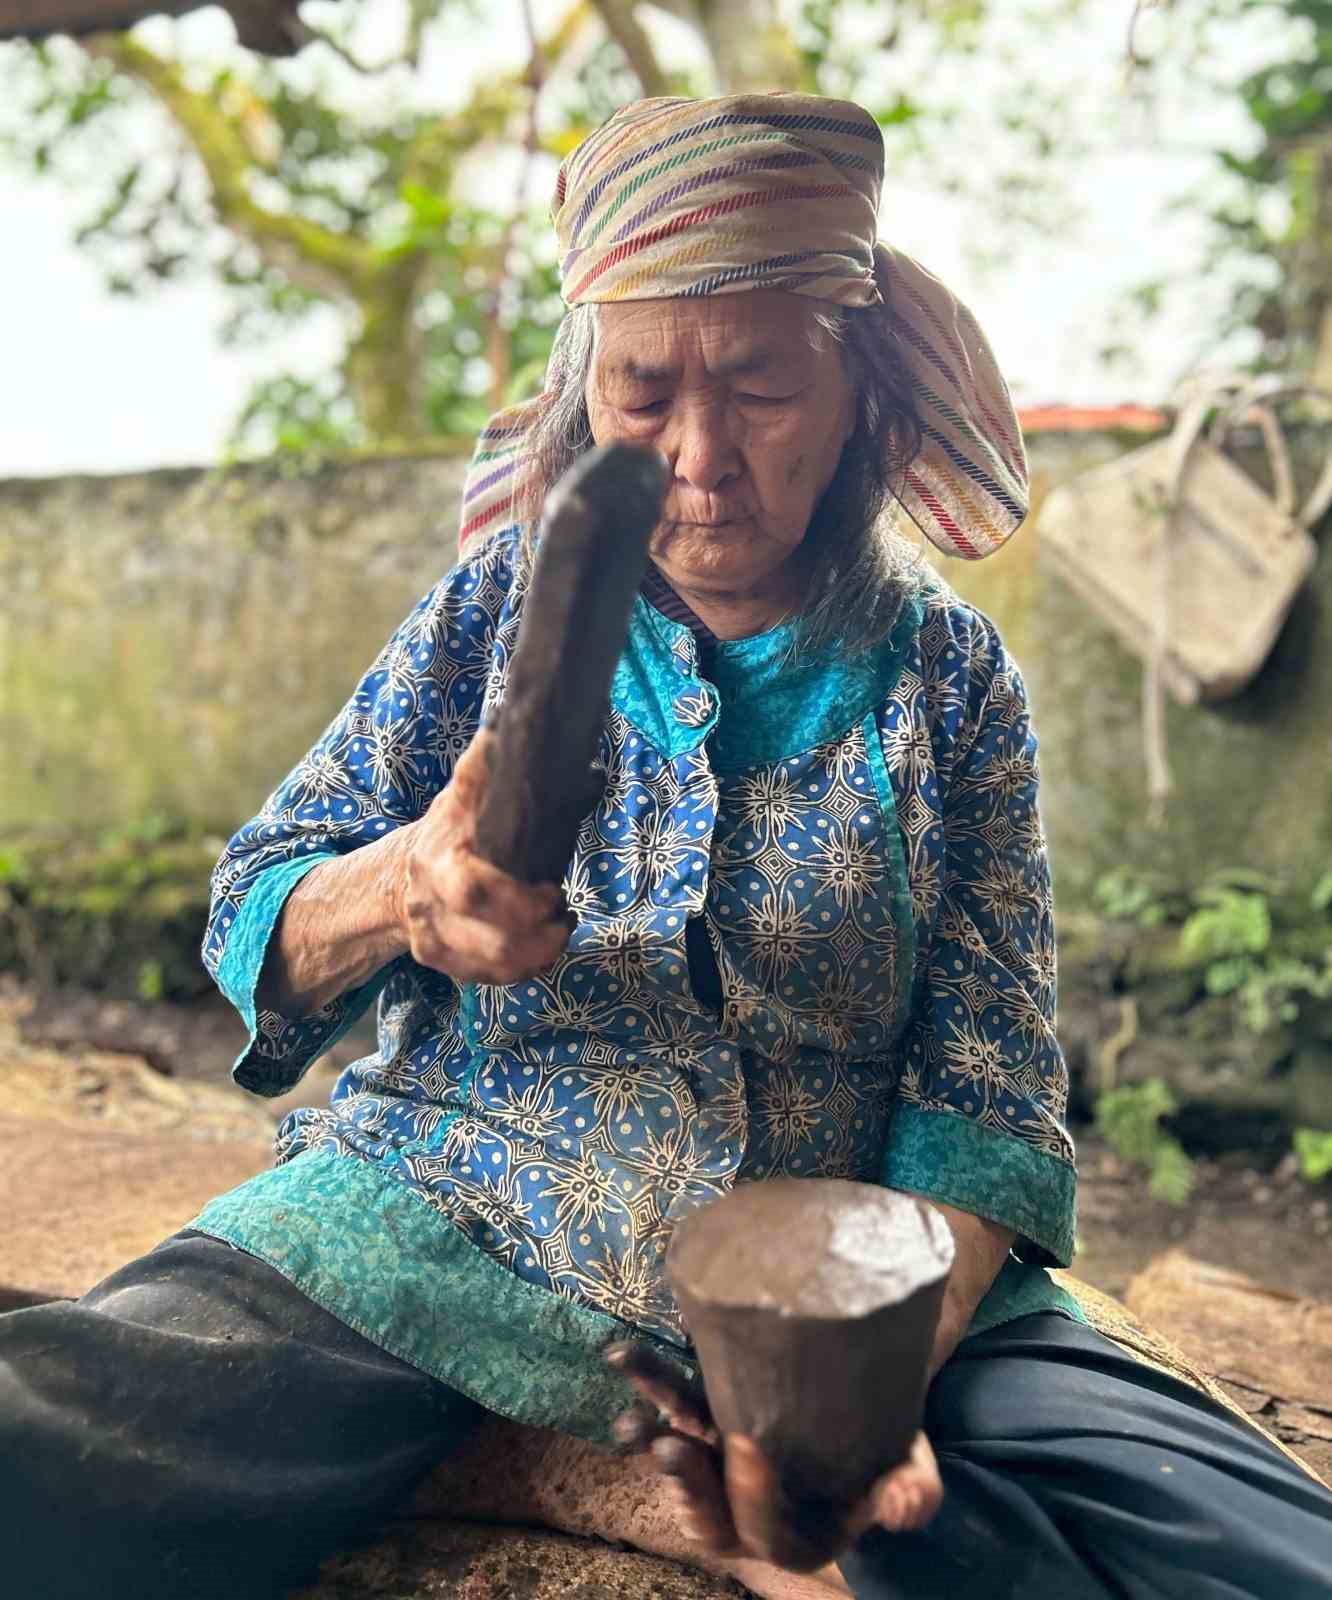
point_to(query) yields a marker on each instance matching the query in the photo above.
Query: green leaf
(150, 983)
(1129, 1118)
(1172, 1173)
(1124, 896)
(897, 113)
(428, 209)
(1313, 1151)
(1224, 977)
(1230, 922)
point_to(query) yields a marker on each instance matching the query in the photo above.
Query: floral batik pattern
(813, 939)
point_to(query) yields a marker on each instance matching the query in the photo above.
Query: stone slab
(1272, 1351)
(457, 1561)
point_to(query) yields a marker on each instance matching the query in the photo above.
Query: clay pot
(813, 1305)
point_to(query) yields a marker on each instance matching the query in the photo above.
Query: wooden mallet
(591, 557)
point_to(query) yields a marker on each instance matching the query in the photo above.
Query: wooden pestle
(590, 561)
(813, 1305)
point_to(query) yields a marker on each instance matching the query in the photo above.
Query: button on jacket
(813, 939)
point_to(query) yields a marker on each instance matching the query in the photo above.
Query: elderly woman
(806, 932)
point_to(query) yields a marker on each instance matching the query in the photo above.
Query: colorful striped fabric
(678, 198)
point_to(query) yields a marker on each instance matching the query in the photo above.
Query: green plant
(1270, 993)
(1130, 1120)
(1228, 924)
(1313, 1151)
(120, 914)
(1127, 896)
(1254, 942)
(1267, 947)
(150, 982)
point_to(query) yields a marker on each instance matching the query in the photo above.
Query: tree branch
(439, 140)
(750, 45)
(565, 31)
(314, 258)
(1132, 57)
(408, 56)
(627, 31)
(500, 317)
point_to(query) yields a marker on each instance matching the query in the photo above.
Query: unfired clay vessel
(813, 1305)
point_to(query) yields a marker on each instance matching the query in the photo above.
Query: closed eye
(651, 409)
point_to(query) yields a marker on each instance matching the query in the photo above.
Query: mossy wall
(170, 642)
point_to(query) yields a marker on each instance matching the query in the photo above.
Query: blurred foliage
(1282, 211)
(122, 913)
(1265, 944)
(409, 204)
(1129, 1119)
(1128, 896)
(1274, 210)
(1313, 1152)
(335, 182)
(303, 186)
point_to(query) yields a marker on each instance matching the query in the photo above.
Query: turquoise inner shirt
(813, 939)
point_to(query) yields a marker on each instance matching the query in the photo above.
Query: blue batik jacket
(813, 939)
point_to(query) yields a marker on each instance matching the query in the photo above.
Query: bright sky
(93, 382)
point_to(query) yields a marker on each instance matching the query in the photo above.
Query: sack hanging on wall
(1182, 553)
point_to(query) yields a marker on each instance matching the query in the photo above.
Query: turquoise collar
(762, 702)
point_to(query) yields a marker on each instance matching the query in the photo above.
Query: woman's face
(749, 401)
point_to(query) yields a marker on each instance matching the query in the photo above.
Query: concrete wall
(171, 641)
(1253, 775)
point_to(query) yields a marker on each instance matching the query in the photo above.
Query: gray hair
(860, 570)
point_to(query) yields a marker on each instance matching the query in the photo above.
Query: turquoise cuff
(947, 1157)
(247, 938)
(301, 1040)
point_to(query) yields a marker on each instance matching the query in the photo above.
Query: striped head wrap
(675, 198)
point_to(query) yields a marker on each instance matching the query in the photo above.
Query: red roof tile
(1091, 419)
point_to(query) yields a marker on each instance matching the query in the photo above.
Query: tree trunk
(383, 365)
(751, 46)
(1312, 283)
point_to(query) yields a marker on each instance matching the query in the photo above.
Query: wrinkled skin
(751, 404)
(730, 1501)
(462, 915)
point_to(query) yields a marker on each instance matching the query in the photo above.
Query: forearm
(340, 924)
(980, 1248)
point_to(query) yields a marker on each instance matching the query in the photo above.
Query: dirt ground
(121, 1122)
(1269, 1224)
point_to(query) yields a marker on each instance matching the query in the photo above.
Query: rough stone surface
(1271, 1351)
(507, 1473)
(455, 1561)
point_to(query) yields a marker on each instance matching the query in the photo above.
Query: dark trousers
(195, 1428)
(1073, 1472)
